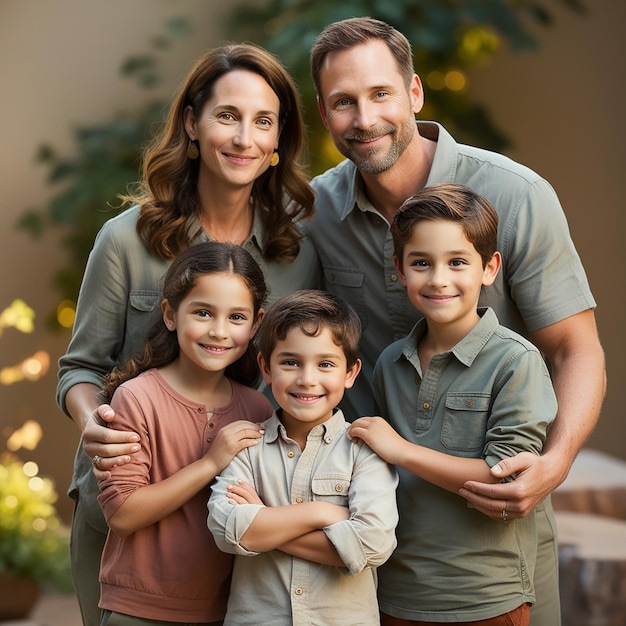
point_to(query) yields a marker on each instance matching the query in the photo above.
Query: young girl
(189, 397)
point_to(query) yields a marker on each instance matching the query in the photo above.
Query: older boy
(462, 393)
(316, 510)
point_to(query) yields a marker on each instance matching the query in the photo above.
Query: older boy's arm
(444, 470)
(573, 349)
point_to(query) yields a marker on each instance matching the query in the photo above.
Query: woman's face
(237, 130)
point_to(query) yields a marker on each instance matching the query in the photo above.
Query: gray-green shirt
(119, 297)
(490, 397)
(542, 280)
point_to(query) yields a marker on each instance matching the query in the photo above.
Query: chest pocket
(143, 309)
(331, 488)
(348, 284)
(465, 422)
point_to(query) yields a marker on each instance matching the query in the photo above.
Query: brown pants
(517, 617)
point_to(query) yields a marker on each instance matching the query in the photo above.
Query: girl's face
(237, 130)
(214, 323)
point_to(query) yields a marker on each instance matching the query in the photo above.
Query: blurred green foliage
(446, 36)
(106, 160)
(449, 37)
(32, 542)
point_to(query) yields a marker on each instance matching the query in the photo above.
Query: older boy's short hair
(451, 202)
(311, 311)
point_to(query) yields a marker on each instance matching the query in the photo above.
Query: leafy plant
(32, 541)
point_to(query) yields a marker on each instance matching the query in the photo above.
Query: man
(368, 95)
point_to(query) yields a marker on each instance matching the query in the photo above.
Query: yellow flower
(19, 316)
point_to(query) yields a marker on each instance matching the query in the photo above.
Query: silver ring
(95, 460)
(504, 515)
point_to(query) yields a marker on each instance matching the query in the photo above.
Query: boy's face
(308, 376)
(444, 273)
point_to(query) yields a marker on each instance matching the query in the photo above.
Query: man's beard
(373, 161)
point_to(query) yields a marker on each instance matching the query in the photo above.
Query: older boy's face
(366, 106)
(443, 273)
(308, 376)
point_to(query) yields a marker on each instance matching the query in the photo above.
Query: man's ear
(491, 269)
(169, 317)
(352, 373)
(416, 92)
(265, 369)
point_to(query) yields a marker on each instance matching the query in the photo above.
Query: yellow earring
(192, 150)
(275, 159)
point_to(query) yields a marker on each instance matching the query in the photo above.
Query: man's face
(367, 107)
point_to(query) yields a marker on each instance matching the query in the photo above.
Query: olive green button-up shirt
(490, 397)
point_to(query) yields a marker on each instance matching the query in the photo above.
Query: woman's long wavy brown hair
(161, 344)
(168, 193)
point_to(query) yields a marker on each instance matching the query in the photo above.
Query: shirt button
(328, 439)
(209, 439)
(470, 403)
(394, 278)
(426, 406)
(299, 591)
(201, 410)
(290, 454)
(211, 425)
(332, 278)
(338, 488)
(299, 500)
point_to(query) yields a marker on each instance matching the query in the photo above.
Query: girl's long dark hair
(161, 344)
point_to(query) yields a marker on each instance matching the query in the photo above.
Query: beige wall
(58, 69)
(564, 110)
(59, 63)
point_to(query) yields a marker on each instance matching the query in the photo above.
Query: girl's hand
(243, 493)
(230, 440)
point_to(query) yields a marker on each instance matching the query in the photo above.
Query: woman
(227, 166)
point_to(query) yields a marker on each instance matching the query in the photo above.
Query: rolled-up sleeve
(515, 426)
(368, 538)
(228, 522)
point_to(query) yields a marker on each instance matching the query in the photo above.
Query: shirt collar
(256, 238)
(328, 431)
(466, 350)
(445, 161)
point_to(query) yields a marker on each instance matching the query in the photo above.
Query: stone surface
(592, 569)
